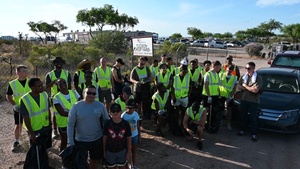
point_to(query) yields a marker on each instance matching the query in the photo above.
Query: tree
(110, 42)
(194, 32)
(42, 27)
(227, 35)
(218, 35)
(241, 35)
(207, 34)
(176, 36)
(103, 16)
(267, 28)
(293, 31)
(60, 27)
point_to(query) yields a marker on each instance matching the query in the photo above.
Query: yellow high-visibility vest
(63, 75)
(62, 121)
(19, 90)
(161, 102)
(38, 114)
(214, 83)
(227, 86)
(181, 87)
(104, 77)
(197, 116)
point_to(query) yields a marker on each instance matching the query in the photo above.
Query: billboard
(142, 46)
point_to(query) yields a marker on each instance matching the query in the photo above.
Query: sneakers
(254, 138)
(229, 127)
(241, 133)
(199, 145)
(15, 146)
(55, 134)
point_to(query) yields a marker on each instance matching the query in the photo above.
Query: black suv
(287, 59)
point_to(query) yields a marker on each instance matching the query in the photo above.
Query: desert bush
(254, 49)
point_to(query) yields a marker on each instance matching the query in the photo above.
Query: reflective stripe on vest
(181, 87)
(171, 69)
(38, 113)
(142, 73)
(227, 86)
(198, 115)
(66, 105)
(104, 77)
(214, 83)
(161, 102)
(19, 90)
(163, 79)
(63, 75)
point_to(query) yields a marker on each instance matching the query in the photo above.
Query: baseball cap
(119, 60)
(115, 107)
(127, 90)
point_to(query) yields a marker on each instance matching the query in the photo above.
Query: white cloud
(276, 2)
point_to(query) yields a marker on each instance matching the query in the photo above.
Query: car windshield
(289, 61)
(280, 83)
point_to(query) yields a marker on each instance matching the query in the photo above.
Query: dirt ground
(221, 150)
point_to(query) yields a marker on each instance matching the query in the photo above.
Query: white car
(198, 43)
(215, 44)
(230, 44)
(160, 41)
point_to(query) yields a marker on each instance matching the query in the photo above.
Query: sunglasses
(115, 112)
(91, 93)
(248, 68)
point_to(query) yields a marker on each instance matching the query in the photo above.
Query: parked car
(198, 43)
(160, 41)
(231, 44)
(215, 44)
(287, 59)
(184, 41)
(279, 108)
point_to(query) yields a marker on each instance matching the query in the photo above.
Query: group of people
(189, 98)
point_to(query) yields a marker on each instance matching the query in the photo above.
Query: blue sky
(162, 16)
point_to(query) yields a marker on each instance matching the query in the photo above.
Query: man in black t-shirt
(117, 77)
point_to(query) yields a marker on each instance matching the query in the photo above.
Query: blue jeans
(252, 108)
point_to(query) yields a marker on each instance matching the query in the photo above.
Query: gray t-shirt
(87, 120)
(246, 95)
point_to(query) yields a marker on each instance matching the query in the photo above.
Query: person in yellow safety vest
(51, 79)
(200, 68)
(84, 66)
(161, 101)
(89, 82)
(124, 96)
(211, 95)
(171, 67)
(164, 77)
(63, 101)
(34, 107)
(227, 91)
(154, 70)
(141, 77)
(236, 70)
(206, 68)
(194, 122)
(182, 62)
(15, 90)
(105, 81)
(195, 74)
(162, 59)
(181, 92)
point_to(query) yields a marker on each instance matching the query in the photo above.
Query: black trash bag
(70, 157)
(37, 157)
